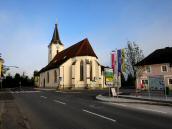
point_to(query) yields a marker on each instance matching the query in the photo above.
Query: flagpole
(118, 79)
(116, 72)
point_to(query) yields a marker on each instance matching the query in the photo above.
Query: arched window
(47, 77)
(55, 76)
(91, 71)
(81, 71)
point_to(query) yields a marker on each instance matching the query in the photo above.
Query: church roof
(159, 56)
(56, 38)
(82, 48)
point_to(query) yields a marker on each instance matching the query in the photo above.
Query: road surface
(80, 110)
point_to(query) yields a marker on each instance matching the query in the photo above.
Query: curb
(140, 100)
(147, 99)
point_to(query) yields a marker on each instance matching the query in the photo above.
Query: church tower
(55, 45)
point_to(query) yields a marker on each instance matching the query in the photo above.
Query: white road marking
(152, 110)
(57, 101)
(43, 97)
(58, 91)
(120, 104)
(107, 118)
(68, 92)
(46, 89)
(17, 92)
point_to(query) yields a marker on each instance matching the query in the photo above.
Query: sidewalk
(136, 99)
(161, 99)
(10, 115)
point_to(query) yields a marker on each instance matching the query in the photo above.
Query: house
(155, 71)
(74, 67)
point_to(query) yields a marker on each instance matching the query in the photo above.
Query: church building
(74, 67)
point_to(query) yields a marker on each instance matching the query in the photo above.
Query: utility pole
(63, 77)
(20, 85)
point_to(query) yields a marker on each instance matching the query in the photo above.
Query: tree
(17, 80)
(123, 81)
(133, 55)
(8, 81)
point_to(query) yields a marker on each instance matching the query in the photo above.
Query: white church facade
(74, 67)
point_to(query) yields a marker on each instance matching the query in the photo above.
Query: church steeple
(55, 45)
(56, 37)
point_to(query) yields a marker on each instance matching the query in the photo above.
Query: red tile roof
(82, 48)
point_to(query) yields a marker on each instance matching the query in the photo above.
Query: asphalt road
(80, 110)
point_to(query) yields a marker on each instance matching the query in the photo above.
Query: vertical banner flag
(119, 60)
(113, 60)
(123, 60)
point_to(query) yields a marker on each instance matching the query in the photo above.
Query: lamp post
(20, 85)
(5, 66)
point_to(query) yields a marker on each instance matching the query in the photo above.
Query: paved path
(10, 115)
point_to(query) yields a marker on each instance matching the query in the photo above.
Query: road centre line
(67, 92)
(152, 110)
(57, 101)
(43, 97)
(107, 118)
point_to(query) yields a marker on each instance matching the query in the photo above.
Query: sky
(26, 28)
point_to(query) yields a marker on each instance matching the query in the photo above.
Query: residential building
(74, 67)
(155, 71)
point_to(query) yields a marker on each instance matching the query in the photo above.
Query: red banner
(113, 60)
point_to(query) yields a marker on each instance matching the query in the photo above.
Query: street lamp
(5, 66)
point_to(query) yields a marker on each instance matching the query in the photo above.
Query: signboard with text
(156, 83)
(109, 76)
(113, 92)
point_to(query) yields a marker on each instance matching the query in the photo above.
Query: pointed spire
(56, 37)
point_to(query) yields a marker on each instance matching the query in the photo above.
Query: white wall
(51, 82)
(52, 50)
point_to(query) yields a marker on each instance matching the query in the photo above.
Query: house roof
(82, 48)
(159, 56)
(56, 38)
